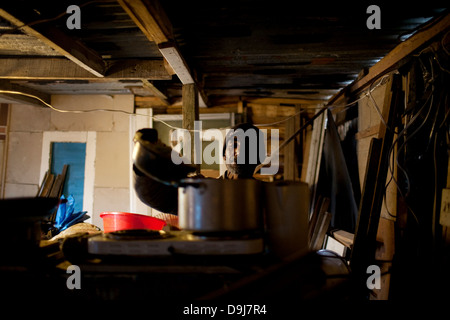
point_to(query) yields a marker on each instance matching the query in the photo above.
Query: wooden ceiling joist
(75, 51)
(150, 17)
(63, 69)
(155, 91)
(284, 101)
(25, 96)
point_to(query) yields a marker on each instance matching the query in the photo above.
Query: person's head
(243, 149)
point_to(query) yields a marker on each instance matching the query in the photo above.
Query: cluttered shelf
(50, 271)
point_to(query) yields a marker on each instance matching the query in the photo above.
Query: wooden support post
(306, 151)
(190, 113)
(290, 153)
(242, 109)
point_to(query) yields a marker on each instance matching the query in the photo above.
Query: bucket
(287, 204)
(115, 221)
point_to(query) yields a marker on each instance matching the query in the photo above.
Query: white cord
(155, 118)
(91, 110)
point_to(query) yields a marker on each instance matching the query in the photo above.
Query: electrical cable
(155, 118)
(433, 102)
(283, 120)
(364, 95)
(395, 157)
(369, 93)
(90, 110)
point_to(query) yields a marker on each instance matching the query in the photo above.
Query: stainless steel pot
(216, 205)
(204, 205)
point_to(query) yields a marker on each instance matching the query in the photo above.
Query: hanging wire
(155, 118)
(88, 111)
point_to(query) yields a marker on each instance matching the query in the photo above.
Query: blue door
(74, 155)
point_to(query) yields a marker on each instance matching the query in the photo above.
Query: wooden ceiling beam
(63, 69)
(23, 95)
(147, 85)
(394, 58)
(150, 17)
(285, 101)
(75, 51)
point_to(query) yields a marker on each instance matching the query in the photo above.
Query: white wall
(112, 189)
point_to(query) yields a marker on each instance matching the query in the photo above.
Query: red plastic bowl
(115, 221)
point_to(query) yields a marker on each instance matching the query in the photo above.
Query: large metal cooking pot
(204, 204)
(216, 205)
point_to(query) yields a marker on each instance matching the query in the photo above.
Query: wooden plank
(315, 154)
(190, 113)
(323, 223)
(321, 207)
(150, 18)
(137, 69)
(360, 241)
(55, 193)
(291, 158)
(156, 92)
(270, 110)
(224, 109)
(40, 192)
(364, 251)
(48, 185)
(176, 61)
(344, 237)
(286, 101)
(367, 132)
(390, 93)
(393, 59)
(385, 255)
(190, 106)
(56, 187)
(306, 154)
(63, 69)
(25, 96)
(150, 102)
(75, 51)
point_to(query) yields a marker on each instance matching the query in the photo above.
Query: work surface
(54, 272)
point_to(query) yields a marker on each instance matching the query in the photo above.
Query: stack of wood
(321, 236)
(319, 224)
(52, 187)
